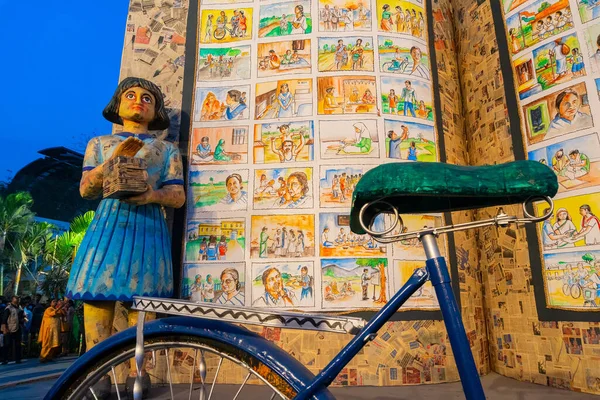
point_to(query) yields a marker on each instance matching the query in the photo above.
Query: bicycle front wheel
(219, 34)
(185, 365)
(576, 291)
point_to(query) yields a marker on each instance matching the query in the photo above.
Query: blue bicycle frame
(436, 271)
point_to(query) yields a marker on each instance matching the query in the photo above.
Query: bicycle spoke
(215, 378)
(116, 384)
(272, 396)
(202, 371)
(192, 376)
(169, 373)
(93, 394)
(243, 384)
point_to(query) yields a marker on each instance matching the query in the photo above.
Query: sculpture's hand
(141, 199)
(128, 148)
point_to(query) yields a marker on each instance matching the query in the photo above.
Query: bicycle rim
(212, 366)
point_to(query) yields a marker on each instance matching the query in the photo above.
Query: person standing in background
(12, 327)
(67, 326)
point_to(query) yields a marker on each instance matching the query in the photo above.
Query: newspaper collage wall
(294, 102)
(555, 49)
(558, 354)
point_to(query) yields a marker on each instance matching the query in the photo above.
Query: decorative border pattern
(250, 316)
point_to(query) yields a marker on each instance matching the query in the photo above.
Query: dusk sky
(60, 66)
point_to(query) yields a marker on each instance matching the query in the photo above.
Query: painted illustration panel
(571, 279)
(282, 236)
(350, 53)
(402, 17)
(222, 103)
(215, 240)
(348, 138)
(344, 16)
(220, 284)
(219, 145)
(208, 2)
(403, 56)
(225, 26)
(573, 223)
(337, 240)
(336, 184)
(279, 188)
(217, 190)
(576, 162)
(289, 56)
(284, 98)
(406, 97)
(510, 5)
(283, 285)
(591, 34)
(422, 299)
(354, 282)
(538, 21)
(284, 19)
(412, 249)
(558, 114)
(556, 62)
(412, 141)
(346, 95)
(284, 142)
(588, 10)
(224, 63)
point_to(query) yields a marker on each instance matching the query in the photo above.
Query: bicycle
(208, 333)
(573, 287)
(221, 31)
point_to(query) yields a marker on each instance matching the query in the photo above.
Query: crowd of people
(404, 21)
(28, 325)
(343, 186)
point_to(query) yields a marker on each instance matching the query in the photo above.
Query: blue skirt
(126, 252)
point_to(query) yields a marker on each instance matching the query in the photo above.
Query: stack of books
(124, 177)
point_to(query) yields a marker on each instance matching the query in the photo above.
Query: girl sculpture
(126, 251)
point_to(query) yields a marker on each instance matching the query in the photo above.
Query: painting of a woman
(232, 294)
(360, 143)
(285, 101)
(220, 154)
(565, 227)
(386, 19)
(264, 239)
(299, 24)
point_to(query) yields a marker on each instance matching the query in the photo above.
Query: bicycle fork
(436, 271)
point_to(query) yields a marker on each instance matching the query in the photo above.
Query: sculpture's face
(137, 104)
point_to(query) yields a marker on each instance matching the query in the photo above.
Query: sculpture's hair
(161, 118)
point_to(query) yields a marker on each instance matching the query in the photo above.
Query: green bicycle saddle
(431, 187)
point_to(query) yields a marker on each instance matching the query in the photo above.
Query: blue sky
(60, 66)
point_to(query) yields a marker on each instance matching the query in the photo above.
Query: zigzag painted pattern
(338, 326)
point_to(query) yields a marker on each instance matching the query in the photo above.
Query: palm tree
(60, 254)
(15, 216)
(29, 248)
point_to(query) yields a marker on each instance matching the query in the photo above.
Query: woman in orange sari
(49, 335)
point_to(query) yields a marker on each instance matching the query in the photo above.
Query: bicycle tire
(576, 291)
(91, 367)
(566, 289)
(221, 34)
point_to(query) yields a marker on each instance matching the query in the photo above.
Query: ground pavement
(32, 380)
